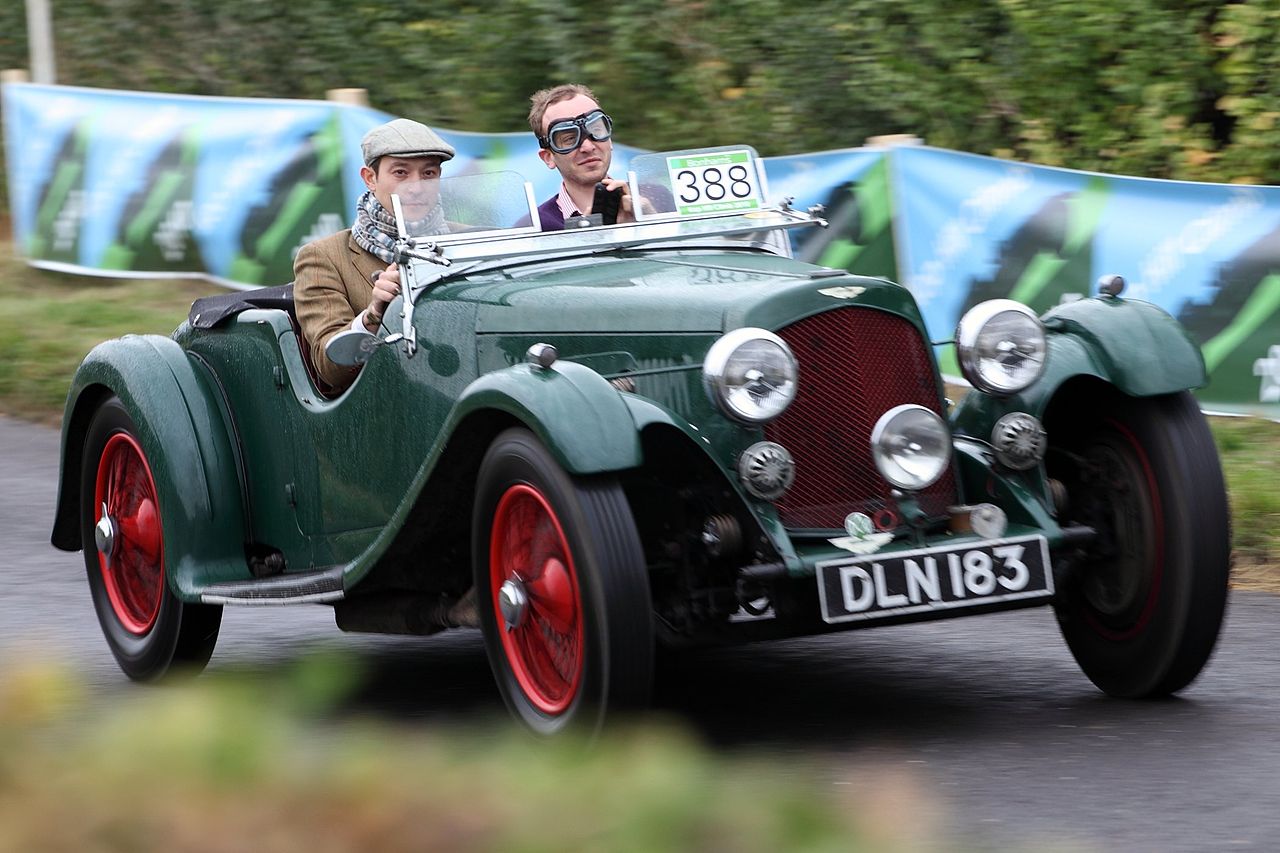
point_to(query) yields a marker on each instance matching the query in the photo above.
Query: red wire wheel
(133, 564)
(1141, 607)
(535, 586)
(151, 632)
(562, 589)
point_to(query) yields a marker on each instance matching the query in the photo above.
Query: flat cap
(404, 138)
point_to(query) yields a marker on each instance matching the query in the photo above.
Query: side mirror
(351, 348)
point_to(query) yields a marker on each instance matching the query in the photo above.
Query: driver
(575, 136)
(345, 281)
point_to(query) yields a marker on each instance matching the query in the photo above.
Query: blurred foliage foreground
(230, 763)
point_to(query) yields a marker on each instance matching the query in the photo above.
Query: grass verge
(1250, 453)
(49, 321)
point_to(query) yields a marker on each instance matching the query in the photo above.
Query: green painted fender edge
(577, 414)
(182, 431)
(649, 414)
(552, 402)
(1020, 496)
(1133, 345)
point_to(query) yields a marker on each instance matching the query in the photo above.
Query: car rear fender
(577, 414)
(1135, 346)
(184, 435)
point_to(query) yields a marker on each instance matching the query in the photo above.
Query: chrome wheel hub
(104, 534)
(513, 601)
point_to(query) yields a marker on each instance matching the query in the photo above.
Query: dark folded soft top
(209, 311)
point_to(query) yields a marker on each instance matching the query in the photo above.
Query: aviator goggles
(566, 134)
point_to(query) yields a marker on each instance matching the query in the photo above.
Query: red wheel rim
(133, 567)
(527, 546)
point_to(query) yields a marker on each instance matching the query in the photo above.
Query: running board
(301, 588)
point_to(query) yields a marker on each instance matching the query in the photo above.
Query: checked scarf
(375, 228)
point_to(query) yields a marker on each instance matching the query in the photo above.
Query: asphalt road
(985, 724)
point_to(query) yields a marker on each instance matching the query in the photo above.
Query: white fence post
(40, 41)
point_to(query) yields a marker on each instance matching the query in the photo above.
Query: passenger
(346, 280)
(575, 136)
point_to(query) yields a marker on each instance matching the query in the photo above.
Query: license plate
(943, 577)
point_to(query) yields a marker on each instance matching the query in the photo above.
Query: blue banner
(125, 183)
(122, 183)
(972, 228)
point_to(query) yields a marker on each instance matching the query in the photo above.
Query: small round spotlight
(1018, 440)
(766, 470)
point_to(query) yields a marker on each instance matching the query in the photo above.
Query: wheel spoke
(515, 551)
(551, 595)
(545, 648)
(142, 530)
(538, 658)
(115, 479)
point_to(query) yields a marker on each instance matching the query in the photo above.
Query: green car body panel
(1135, 346)
(181, 429)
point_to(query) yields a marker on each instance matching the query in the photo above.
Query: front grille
(855, 364)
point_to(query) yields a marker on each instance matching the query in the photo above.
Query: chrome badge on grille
(862, 538)
(846, 292)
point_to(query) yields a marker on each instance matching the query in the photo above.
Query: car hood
(659, 292)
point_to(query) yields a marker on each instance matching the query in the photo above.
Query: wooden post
(40, 41)
(356, 97)
(891, 139)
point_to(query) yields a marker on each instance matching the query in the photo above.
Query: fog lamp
(911, 446)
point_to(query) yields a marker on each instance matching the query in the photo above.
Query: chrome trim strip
(301, 588)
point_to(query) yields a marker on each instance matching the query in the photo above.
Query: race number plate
(883, 585)
(717, 182)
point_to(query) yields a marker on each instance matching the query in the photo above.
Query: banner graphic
(972, 228)
(136, 184)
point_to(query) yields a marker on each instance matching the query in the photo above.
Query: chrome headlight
(751, 375)
(1000, 346)
(911, 446)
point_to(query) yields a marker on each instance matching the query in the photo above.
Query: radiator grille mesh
(855, 364)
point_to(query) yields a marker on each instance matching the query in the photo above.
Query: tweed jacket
(332, 283)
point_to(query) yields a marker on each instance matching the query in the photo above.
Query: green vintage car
(605, 444)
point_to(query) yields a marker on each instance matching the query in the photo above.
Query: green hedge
(1162, 88)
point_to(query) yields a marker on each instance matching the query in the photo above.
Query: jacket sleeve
(323, 308)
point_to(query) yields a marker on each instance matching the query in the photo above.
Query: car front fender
(1135, 346)
(184, 435)
(577, 414)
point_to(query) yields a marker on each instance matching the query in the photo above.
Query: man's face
(415, 179)
(589, 162)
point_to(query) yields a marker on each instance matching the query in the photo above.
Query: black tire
(1142, 614)
(149, 630)
(583, 646)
